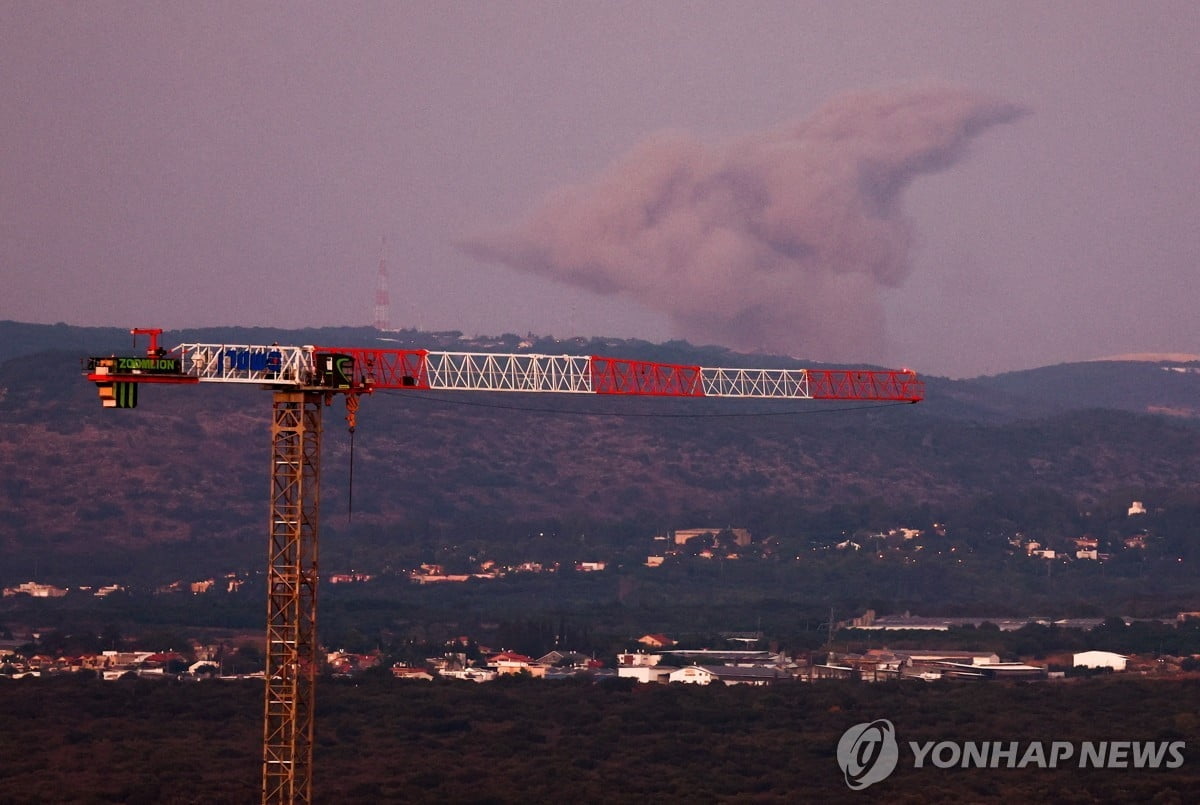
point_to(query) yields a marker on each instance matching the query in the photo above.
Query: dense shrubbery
(382, 740)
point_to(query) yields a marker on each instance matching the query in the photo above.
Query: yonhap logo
(868, 753)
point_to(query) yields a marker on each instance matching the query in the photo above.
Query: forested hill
(188, 468)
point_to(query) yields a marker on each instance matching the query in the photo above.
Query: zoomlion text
(147, 364)
(1048, 755)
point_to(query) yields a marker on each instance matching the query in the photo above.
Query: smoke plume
(774, 241)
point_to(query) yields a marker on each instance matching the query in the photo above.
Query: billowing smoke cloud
(777, 241)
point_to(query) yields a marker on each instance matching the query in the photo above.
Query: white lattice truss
(778, 383)
(476, 371)
(247, 363)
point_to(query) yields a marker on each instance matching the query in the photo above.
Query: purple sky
(187, 164)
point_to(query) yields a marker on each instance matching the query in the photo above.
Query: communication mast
(383, 304)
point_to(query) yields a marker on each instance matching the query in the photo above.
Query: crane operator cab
(335, 370)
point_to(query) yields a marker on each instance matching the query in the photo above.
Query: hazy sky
(963, 188)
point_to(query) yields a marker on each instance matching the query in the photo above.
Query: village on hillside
(709, 543)
(656, 661)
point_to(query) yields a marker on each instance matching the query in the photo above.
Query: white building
(470, 674)
(694, 675)
(658, 674)
(728, 674)
(1100, 659)
(32, 588)
(638, 658)
(966, 657)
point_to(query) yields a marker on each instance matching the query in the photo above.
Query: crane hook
(352, 421)
(352, 411)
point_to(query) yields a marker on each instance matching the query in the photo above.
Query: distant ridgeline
(1029, 452)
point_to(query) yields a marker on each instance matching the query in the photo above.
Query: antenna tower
(382, 303)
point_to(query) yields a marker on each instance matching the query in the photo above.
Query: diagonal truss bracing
(508, 372)
(589, 374)
(246, 363)
(291, 650)
(785, 383)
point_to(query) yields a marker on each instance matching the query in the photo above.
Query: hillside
(1158, 386)
(182, 480)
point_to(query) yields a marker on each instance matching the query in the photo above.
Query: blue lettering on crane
(245, 360)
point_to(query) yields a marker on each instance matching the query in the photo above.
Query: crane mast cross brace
(304, 380)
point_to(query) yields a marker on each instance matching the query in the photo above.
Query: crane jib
(361, 370)
(420, 369)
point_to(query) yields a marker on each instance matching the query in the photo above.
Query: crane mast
(292, 571)
(305, 379)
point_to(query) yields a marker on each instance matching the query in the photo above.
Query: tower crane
(305, 379)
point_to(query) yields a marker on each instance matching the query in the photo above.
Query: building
(350, 578)
(998, 670)
(822, 671)
(402, 672)
(510, 662)
(32, 588)
(648, 674)
(961, 657)
(874, 665)
(470, 674)
(640, 658)
(936, 624)
(571, 660)
(728, 675)
(741, 536)
(706, 656)
(1099, 659)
